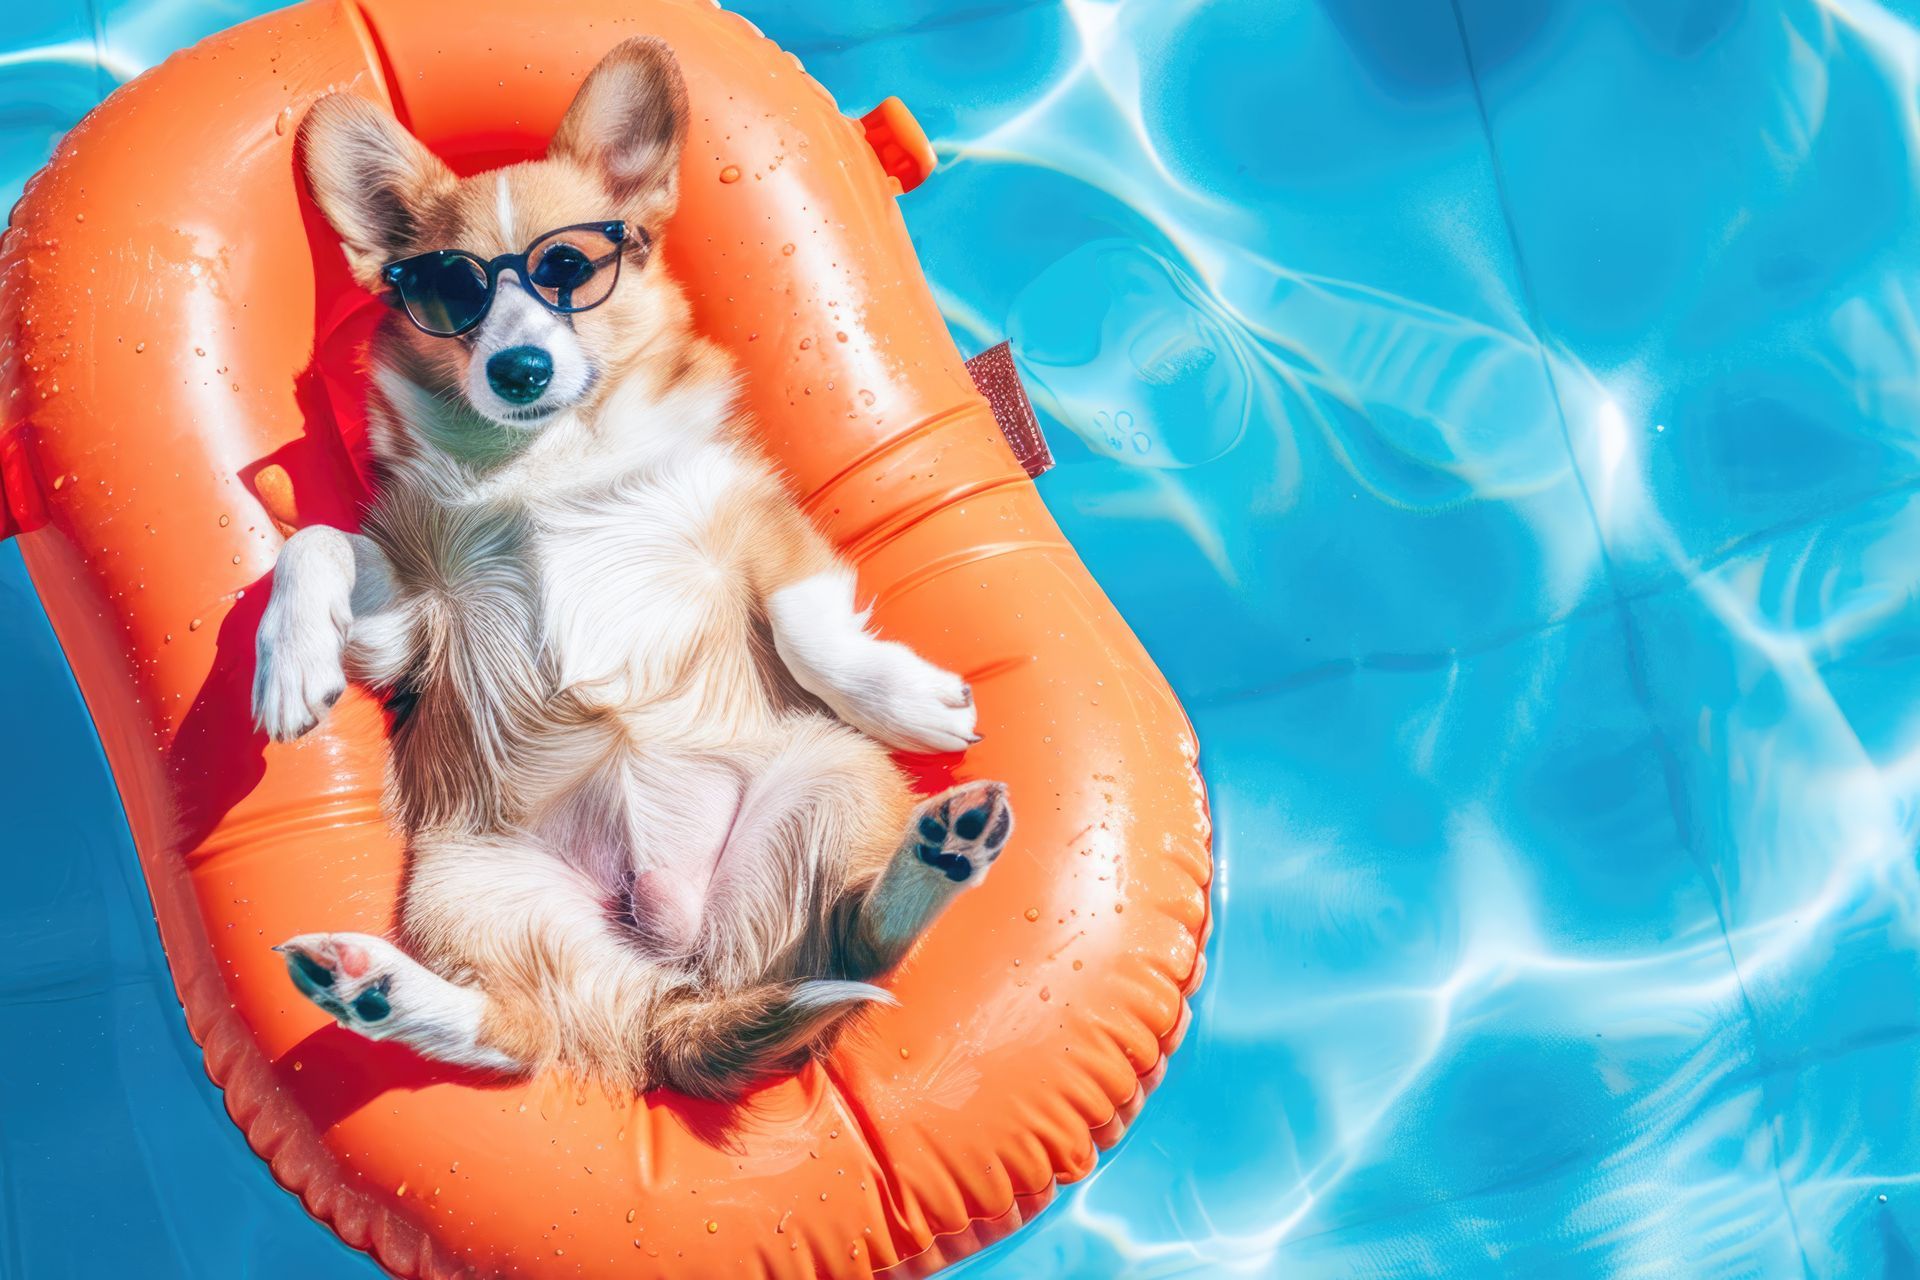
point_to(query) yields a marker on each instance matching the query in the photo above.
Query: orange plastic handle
(181, 390)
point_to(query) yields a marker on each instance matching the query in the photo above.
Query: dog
(640, 723)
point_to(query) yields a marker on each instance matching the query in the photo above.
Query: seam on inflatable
(895, 1217)
(375, 51)
(961, 559)
(888, 530)
(926, 426)
(950, 1247)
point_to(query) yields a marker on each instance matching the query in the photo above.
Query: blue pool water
(1501, 421)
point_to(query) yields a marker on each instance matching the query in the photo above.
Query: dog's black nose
(520, 374)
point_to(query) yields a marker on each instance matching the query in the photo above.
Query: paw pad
(327, 971)
(372, 1004)
(961, 832)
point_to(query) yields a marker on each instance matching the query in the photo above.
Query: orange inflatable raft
(179, 339)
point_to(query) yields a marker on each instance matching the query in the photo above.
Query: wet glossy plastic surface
(1499, 423)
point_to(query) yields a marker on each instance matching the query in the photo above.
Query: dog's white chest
(638, 599)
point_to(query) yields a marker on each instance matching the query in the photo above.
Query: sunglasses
(446, 292)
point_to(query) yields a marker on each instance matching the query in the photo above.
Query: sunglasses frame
(613, 229)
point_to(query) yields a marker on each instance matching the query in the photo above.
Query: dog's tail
(711, 1045)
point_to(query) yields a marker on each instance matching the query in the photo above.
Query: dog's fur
(655, 838)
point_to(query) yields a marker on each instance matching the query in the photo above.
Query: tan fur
(633, 829)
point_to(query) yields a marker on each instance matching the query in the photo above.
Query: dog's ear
(370, 177)
(629, 122)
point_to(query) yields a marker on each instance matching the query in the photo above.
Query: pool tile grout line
(1635, 662)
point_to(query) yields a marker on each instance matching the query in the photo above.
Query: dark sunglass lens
(564, 267)
(574, 269)
(444, 292)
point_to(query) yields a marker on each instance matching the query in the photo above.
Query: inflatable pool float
(180, 341)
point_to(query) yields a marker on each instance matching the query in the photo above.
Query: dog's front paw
(912, 705)
(298, 674)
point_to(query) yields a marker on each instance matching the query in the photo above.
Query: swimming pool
(1501, 421)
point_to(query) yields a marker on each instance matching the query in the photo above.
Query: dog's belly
(650, 828)
(684, 813)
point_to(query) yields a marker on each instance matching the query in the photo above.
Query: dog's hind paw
(350, 975)
(372, 987)
(960, 832)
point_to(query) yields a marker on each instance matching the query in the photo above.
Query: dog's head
(615, 159)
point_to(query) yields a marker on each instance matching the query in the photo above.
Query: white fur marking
(826, 993)
(503, 208)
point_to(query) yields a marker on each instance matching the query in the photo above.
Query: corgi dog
(641, 725)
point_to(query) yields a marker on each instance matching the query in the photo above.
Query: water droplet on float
(1046, 993)
(57, 482)
(200, 351)
(712, 1226)
(840, 337)
(730, 174)
(139, 347)
(787, 250)
(1033, 913)
(79, 217)
(867, 398)
(194, 625)
(805, 343)
(281, 121)
(225, 521)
